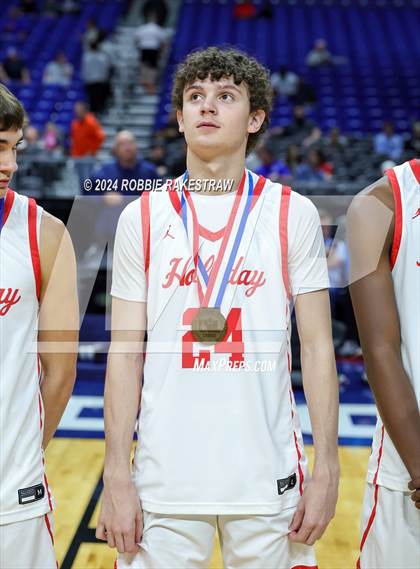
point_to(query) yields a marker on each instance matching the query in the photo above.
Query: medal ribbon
(242, 204)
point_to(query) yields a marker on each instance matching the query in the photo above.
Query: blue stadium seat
(381, 65)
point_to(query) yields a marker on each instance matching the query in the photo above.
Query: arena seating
(379, 82)
(48, 35)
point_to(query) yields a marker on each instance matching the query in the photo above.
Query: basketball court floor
(75, 463)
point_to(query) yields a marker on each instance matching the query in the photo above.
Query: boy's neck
(221, 168)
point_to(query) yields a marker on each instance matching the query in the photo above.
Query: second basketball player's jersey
(24, 490)
(385, 465)
(218, 428)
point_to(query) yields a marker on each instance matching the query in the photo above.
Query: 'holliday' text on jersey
(252, 279)
(8, 297)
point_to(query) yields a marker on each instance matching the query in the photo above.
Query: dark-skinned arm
(370, 236)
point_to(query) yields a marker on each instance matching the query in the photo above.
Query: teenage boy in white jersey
(384, 238)
(211, 276)
(38, 309)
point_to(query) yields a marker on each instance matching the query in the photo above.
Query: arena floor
(74, 471)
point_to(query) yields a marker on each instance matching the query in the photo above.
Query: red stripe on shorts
(47, 523)
(375, 499)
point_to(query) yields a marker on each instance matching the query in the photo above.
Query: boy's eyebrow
(196, 86)
(5, 141)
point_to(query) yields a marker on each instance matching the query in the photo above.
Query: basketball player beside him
(384, 224)
(211, 277)
(38, 307)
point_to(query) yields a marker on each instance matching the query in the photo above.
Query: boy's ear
(256, 119)
(180, 120)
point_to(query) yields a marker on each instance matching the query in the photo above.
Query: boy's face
(9, 139)
(216, 116)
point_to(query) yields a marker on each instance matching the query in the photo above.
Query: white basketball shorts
(390, 530)
(28, 544)
(247, 542)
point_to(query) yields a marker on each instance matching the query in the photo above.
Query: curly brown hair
(12, 113)
(227, 62)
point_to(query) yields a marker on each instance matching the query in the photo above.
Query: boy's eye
(195, 96)
(227, 97)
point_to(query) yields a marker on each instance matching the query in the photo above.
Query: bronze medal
(209, 326)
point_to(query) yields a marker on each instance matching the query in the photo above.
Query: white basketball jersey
(24, 489)
(218, 428)
(385, 465)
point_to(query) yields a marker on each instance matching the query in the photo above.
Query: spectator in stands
(13, 68)
(315, 169)
(96, 75)
(58, 72)
(336, 250)
(301, 129)
(305, 95)
(32, 155)
(52, 139)
(387, 143)
(150, 39)
(31, 145)
(92, 34)
(413, 143)
(334, 142)
(284, 82)
(157, 9)
(319, 54)
(87, 137)
(158, 157)
(293, 158)
(338, 264)
(126, 165)
(244, 10)
(271, 168)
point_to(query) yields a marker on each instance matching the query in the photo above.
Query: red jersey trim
(47, 488)
(284, 241)
(47, 523)
(33, 244)
(299, 455)
(211, 235)
(8, 204)
(203, 231)
(304, 567)
(375, 499)
(415, 167)
(398, 223)
(145, 228)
